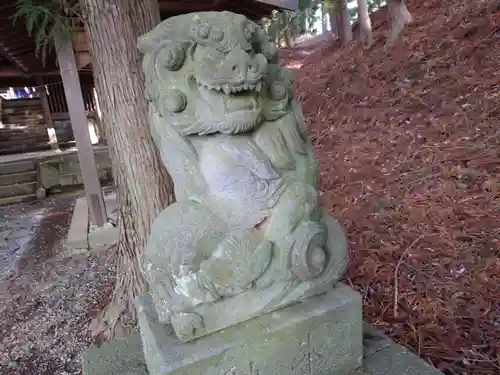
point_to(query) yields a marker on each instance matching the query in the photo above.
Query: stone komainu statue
(247, 234)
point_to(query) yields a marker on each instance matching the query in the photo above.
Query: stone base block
(321, 335)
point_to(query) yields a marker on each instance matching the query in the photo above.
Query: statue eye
(175, 101)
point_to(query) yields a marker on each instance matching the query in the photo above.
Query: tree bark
(365, 25)
(333, 22)
(400, 17)
(285, 30)
(324, 21)
(288, 38)
(143, 185)
(344, 22)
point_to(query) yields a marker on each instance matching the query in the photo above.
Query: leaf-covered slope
(408, 143)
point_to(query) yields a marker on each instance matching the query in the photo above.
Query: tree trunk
(344, 22)
(288, 38)
(285, 30)
(324, 21)
(333, 22)
(365, 25)
(274, 33)
(143, 185)
(307, 14)
(400, 17)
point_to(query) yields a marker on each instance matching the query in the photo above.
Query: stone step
(17, 167)
(29, 130)
(20, 136)
(17, 178)
(28, 140)
(17, 149)
(17, 199)
(15, 190)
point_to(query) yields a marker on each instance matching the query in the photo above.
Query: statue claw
(186, 324)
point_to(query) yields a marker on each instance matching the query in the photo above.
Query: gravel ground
(48, 294)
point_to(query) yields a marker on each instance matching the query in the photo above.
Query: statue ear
(147, 43)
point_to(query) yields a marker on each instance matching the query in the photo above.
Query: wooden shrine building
(53, 105)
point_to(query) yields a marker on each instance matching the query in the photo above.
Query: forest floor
(408, 142)
(48, 293)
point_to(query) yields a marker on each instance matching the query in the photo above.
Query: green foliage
(373, 5)
(46, 18)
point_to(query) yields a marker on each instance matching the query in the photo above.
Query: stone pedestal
(321, 335)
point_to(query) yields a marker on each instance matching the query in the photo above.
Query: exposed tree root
(119, 318)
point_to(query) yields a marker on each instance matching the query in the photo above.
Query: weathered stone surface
(374, 340)
(79, 227)
(383, 358)
(103, 236)
(247, 234)
(41, 193)
(49, 175)
(321, 335)
(17, 167)
(397, 360)
(64, 170)
(119, 357)
(26, 188)
(17, 178)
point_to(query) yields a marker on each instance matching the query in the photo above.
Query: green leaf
(46, 18)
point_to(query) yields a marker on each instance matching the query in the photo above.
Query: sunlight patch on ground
(294, 65)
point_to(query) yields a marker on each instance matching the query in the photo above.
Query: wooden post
(79, 123)
(46, 113)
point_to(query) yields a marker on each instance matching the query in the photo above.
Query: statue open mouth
(235, 106)
(231, 89)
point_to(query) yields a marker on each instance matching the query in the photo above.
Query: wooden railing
(57, 99)
(23, 127)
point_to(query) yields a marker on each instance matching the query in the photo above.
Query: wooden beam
(180, 7)
(13, 60)
(46, 114)
(79, 123)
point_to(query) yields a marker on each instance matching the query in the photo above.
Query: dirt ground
(48, 295)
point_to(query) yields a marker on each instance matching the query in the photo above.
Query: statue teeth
(228, 89)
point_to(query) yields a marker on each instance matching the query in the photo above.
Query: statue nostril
(235, 68)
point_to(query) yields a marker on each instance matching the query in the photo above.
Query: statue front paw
(190, 285)
(186, 324)
(236, 265)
